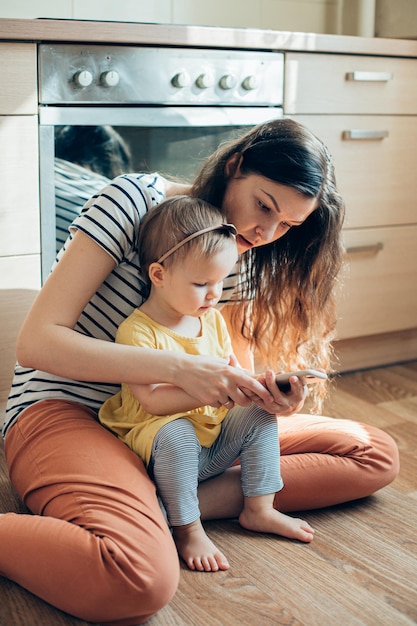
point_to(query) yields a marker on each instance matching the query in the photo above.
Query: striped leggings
(178, 462)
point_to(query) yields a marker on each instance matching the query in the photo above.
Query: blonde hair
(176, 219)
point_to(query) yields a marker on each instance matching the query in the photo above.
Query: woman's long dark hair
(287, 307)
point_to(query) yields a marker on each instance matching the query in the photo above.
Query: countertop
(128, 33)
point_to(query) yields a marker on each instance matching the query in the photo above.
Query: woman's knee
(126, 594)
(383, 456)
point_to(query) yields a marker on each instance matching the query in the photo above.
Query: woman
(115, 562)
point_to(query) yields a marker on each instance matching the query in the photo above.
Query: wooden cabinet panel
(377, 177)
(331, 83)
(20, 281)
(18, 94)
(364, 108)
(20, 267)
(378, 293)
(20, 272)
(19, 200)
(14, 304)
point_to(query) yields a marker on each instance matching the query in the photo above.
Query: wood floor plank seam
(360, 570)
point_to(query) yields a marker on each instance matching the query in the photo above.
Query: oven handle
(157, 117)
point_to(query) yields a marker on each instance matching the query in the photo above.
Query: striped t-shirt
(112, 220)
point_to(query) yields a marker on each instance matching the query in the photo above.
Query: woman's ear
(233, 164)
(156, 273)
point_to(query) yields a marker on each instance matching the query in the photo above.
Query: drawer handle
(370, 249)
(375, 77)
(365, 134)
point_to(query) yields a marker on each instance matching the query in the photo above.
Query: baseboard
(375, 350)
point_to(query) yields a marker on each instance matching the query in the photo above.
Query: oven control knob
(250, 83)
(228, 81)
(204, 81)
(83, 78)
(110, 78)
(181, 80)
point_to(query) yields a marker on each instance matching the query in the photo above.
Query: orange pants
(116, 563)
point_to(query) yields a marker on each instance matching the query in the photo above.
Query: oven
(172, 106)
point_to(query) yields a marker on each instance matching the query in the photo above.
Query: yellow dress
(124, 415)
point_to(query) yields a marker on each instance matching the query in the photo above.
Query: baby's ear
(156, 274)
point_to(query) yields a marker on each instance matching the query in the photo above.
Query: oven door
(171, 140)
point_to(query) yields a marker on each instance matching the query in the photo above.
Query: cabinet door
(18, 93)
(378, 292)
(332, 83)
(19, 198)
(375, 159)
(14, 304)
(20, 279)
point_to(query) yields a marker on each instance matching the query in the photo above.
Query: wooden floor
(361, 568)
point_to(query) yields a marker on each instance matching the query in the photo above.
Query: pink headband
(228, 227)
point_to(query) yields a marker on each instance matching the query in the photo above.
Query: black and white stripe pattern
(178, 461)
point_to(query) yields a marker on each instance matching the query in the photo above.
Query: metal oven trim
(155, 116)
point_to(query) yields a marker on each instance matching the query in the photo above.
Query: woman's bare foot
(198, 552)
(271, 521)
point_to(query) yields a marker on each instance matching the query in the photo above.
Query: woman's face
(263, 210)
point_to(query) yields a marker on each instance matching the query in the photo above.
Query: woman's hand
(282, 403)
(214, 382)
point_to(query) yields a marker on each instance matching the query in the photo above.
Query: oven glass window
(176, 152)
(87, 157)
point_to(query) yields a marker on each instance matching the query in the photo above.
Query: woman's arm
(48, 341)
(165, 399)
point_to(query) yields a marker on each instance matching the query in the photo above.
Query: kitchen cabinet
(379, 294)
(375, 173)
(342, 83)
(365, 110)
(19, 198)
(19, 207)
(19, 162)
(18, 94)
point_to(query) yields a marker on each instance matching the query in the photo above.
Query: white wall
(396, 19)
(319, 16)
(385, 18)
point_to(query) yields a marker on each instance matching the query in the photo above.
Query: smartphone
(308, 377)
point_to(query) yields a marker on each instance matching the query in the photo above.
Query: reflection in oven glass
(88, 157)
(174, 152)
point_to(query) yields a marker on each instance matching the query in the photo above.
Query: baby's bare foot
(272, 521)
(197, 550)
